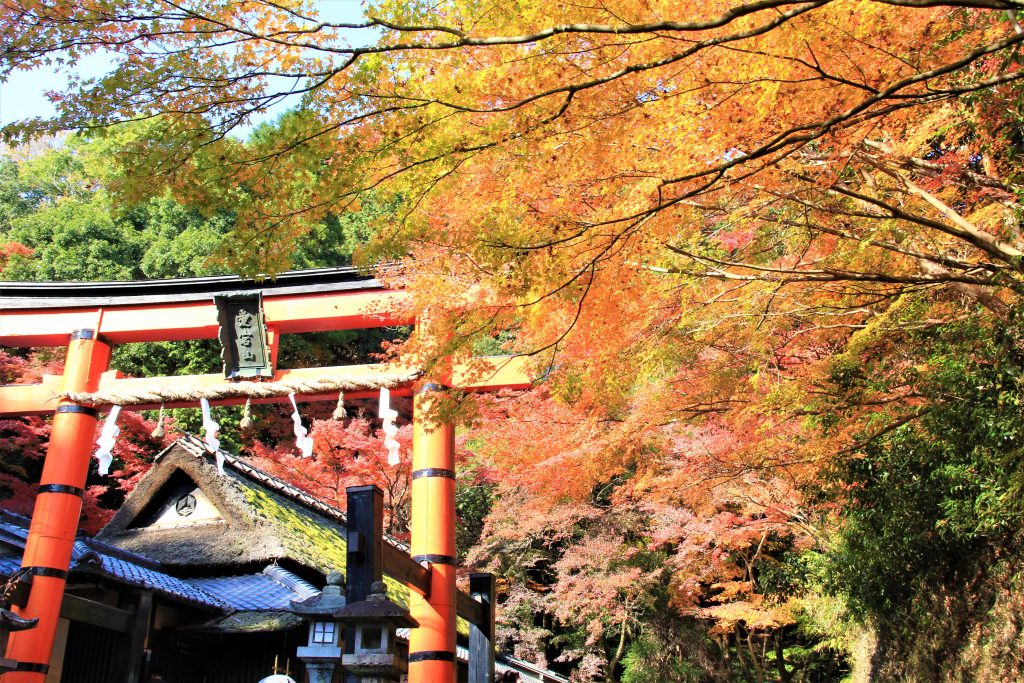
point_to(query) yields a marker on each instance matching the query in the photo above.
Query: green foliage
(56, 205)
(473, 500)
(650, 659)
(67, 204)
(930, 502)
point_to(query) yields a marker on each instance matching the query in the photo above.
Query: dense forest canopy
(769, 253)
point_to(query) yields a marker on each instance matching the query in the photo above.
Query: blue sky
(23, 95)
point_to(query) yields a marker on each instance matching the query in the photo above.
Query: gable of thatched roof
(260, 517)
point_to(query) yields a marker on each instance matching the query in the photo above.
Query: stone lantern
(323, 652)
(373, 655)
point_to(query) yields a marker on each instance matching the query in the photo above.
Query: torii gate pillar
(432, 645)
(58, 508)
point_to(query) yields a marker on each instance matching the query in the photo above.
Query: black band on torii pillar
(61, 488)
(51, 572)
(435, 559)
(433, 472)
(75, 408)
(85, 333)
(431, 655)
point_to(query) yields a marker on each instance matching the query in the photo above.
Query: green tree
(932, 510)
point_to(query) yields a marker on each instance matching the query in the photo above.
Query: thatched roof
(261, 518)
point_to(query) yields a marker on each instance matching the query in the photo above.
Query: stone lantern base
(373, 667)
(320, 672)
(320, 662)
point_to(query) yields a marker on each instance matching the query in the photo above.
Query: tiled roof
(91, 556)
(273, 589)
(84, 558)
(9, 564)
(528, 672)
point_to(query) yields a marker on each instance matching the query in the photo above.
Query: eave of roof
(257, 621)
(19, 295)
(271, 590)
(91, 557)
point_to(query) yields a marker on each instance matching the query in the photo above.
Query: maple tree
(731, 233)
(346, 453)
(350, 451)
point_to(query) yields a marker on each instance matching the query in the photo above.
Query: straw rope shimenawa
(127, 397)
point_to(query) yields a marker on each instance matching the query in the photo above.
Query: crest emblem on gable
(179, 502)
(186, 505)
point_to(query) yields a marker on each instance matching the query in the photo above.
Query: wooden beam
(399, 566)
(132, 659)
(482, 374)
(289, 314)
(97, 614)
(30, 399)
(490, 373)
(469, 609)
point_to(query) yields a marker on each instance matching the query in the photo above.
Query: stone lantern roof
(325, 603)
(376, 609)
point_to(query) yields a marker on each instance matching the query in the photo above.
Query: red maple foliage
(347, 452)
(23, 443)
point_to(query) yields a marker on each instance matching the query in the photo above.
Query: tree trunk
(756, 659)
(747, 674)
(619, 651)
(780, 660)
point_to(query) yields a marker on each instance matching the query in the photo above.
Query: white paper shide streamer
(210, 431)
(302, 442)
(108, 436)
(390, 430)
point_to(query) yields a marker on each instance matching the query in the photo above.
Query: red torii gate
(91, 317)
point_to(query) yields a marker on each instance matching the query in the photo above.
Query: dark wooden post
(481, 636)
(364, 559)
(134, 660)
(364, 556)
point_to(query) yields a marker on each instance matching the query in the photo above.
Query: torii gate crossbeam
(91, 317)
